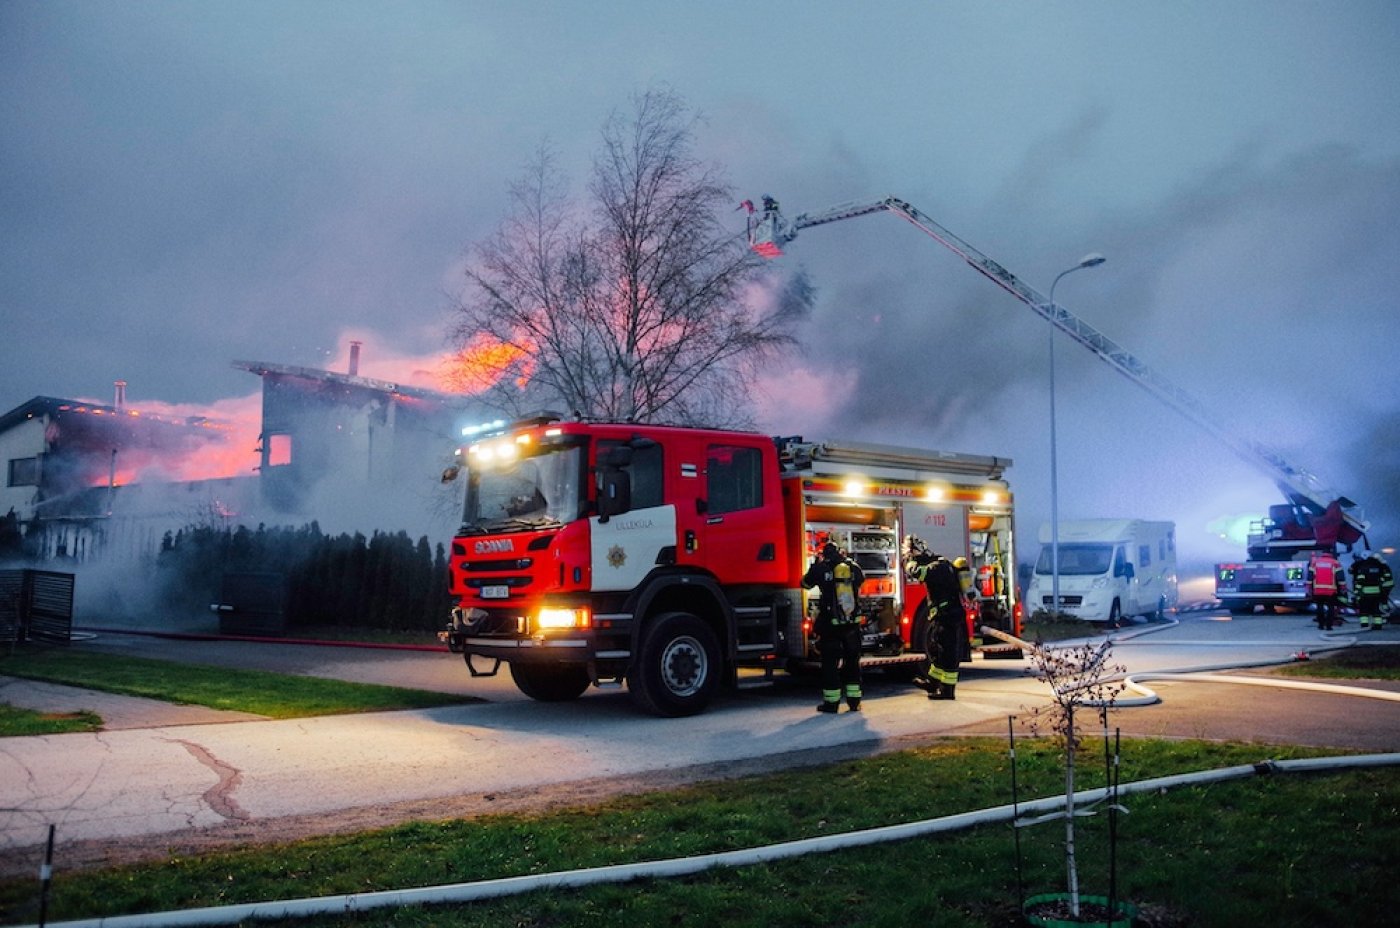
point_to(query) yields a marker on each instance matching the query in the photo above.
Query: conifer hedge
(386, 581)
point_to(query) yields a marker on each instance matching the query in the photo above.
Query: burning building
(352, 452)
(341, 440)
(70, 465)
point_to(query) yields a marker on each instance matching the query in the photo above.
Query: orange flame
(482, 363)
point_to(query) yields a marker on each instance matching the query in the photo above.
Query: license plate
(495, 592)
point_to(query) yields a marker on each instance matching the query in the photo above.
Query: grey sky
(186, 183)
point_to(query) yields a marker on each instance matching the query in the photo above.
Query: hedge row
(386, 581)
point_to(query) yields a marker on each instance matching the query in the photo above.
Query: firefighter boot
(941, 691)
(831, 708)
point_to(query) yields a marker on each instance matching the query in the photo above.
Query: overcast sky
(183, 184)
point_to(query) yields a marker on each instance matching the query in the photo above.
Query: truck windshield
(533, 492)
(1077, 560)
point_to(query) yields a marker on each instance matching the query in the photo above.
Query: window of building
(733, 478)
(24, 472)
(279, 450)
(1144, 555)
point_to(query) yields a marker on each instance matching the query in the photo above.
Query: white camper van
(1110, 569)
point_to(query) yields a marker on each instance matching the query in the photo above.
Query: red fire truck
(669, 558)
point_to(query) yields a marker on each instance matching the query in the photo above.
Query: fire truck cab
(670, 558)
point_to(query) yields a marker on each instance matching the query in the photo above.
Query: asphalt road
(162, 775)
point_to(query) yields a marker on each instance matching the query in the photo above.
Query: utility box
(252, 604)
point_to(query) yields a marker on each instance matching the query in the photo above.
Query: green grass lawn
(1376, 662)
(1289, 849)
(260, 692)
(15, 721)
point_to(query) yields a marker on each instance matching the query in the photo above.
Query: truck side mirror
(1128, 571)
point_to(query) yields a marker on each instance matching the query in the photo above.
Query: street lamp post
(1089, 260)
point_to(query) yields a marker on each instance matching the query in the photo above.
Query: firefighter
(1371, 583)
(1325, 576)
(838, 580)
(945, 611)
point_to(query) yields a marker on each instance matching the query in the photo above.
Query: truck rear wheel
(677, 666)
(550, 682)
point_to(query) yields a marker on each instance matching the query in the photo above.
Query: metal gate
(36, 605)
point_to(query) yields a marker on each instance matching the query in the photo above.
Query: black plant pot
(1051, 910)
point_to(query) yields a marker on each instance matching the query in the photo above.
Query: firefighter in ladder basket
(838, 580)
(945, 611)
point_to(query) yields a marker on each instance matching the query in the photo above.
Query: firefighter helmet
(960, 563)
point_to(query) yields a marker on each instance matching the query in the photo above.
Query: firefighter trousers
(1329, 612)
(945, 643)
(1368, 610)
(840, 648)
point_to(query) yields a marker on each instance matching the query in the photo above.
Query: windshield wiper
(528, 524)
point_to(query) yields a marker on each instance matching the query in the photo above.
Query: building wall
(21, 443)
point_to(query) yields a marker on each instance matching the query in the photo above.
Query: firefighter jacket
(940, 579)
(838, 581)
(1326, 577)
(1372, 576)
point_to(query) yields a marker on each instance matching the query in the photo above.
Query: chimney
(355, 359)
(120, 400)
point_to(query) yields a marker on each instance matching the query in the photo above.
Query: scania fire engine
(669, 559)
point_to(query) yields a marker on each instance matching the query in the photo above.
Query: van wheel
(1161, 614)
(1115, 615)
(550, 682)
(677, 667)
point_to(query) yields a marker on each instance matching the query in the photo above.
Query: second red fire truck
(668, 559)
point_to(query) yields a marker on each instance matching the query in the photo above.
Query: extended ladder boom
(770, 231)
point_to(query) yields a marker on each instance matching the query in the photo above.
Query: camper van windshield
(525, 493)
(1077, 560)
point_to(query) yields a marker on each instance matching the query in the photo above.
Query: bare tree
(1080, 677)
(638, 304)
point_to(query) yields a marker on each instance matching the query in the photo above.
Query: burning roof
(350, 381)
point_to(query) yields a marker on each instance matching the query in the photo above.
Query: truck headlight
(579, 617)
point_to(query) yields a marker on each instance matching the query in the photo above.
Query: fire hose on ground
(1146, 696)
(621, 873)
(686, 866)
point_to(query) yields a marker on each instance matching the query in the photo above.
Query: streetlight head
(1092, 260)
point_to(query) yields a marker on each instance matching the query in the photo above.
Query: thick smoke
(1266, 291)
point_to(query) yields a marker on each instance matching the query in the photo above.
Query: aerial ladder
(1334, 518)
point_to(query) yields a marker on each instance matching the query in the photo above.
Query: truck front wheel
(677, 666)
(550, 682)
